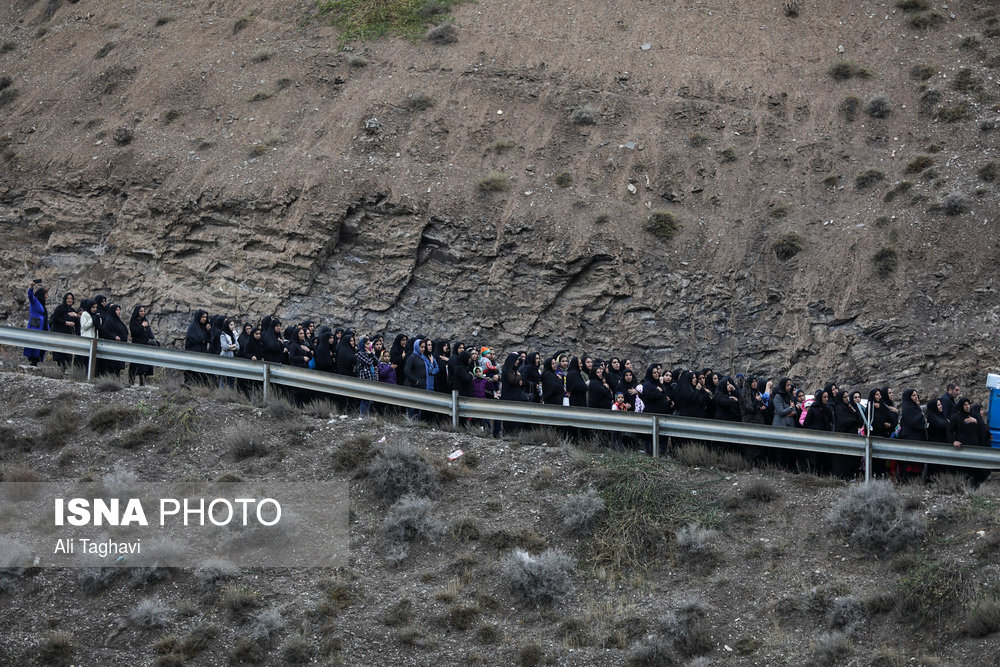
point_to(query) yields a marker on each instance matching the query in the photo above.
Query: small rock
(646, 47)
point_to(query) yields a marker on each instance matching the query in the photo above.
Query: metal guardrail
(655, 426)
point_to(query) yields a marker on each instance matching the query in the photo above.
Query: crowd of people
(557, 379)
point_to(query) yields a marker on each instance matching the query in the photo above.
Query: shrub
(983, 618)
(119, 481)
(912, 5)
(583, 115)
(262, 55)
(501, 146)
(918, 164)
(581, 511)
(953, 204)
(677, 634)
(791, 9)
(266, 624)
(846, 613)
(93, 580)
(213, 572)
(494, 182)
(170, 116)
(922, 72)
(564, 179)
(399, 470)
(760, 490)
(163, 20)
(989, 172)
(969, 43)
(951, 483)
(777, 211)
(727, 155)
(697, 140)
(885, 262)
(296, 650)
(107, 385)
(122, 136)
(322, 408)
(849, 108)
(245, 441)
(56, 649)
(872, 516)
(965, 81)
(662, 224)
(238, 600)
(242, 23)
(442, 33)
(541, 579)
(280, 408)
(353, 454)
(149, 613)
(409, 519)
(461, 617)
(489, 634)
(878, 107)
(930, 593)
(843, 71)
(787, 246)
(138, 437)
(419, 101)
(830, 648)
(866, 178)
(15, 558)
(926, 20)
(400, 613)
(953, 113)
(696, 545)
(357, 61)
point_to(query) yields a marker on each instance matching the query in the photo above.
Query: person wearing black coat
(511, 389)
(846, 418)
(197, 337)
(271, 342)
(613, 374)
(254, 349)
(552, 384)
(442, 380)
(948, 399)
(883, 422)
(819, 415)
(398, 354)
(65, 320)
(912, 423)
(937, 422)
(463, 374)
(967, 430)
(114, 329)
(244, 338)
(751, 402)
(654, 395)
(689, 396)
(347, 354)
(576, 385)
(727, 402)
(599, 394)
(142, 334)
(531, 373)
(324, 353)
(629, 386)
(299, 352)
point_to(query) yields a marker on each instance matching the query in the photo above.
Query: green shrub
(494, 182)
(662, 224)
(787, 246)
(867, 178)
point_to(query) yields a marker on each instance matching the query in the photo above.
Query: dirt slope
(268, 169)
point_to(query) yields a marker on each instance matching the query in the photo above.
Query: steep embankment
(193, 154)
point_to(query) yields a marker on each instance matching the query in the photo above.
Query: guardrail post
(267, 381)
(92, 359)
(454, 409)
(868, 457)
(656, 436)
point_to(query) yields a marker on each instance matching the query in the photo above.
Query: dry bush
(296, 650)
(677, 636)
(580, 512)
(409, 520)
(280, 408)
(989, 172)
(357, 61)
(143, 436)
(399, 614)
(541, 436)
(246, 441)
(564, 179)
(419, 101)
(149, 613)
(113, 417)
(662, 224)
(323, 408)
(885, 261)
(695, 546)
(399, 470)
(56, 649)
(94, 580)
(462, 616)
(846, 613)
(265, 625)
(918, 164)
(442, 33)
(951, 483)
(867, 178)
(699, 455)
(849, 108)
(787, 246)
(872, 516)
(15, 558)
(760, 490)
(213, 572)
(926, 20)
(953, 204)
(983, 618)
(830, 648)
(843, 71)
(494, 182)
(353, 454)
(583, 115)
(238, 600)
(538, 580)
(262, 54)
(878, 107)
(107, 385)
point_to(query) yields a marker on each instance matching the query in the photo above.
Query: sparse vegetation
(727, 155)
(501, 146)
(953, 204)
(965, 81)
(149, 613)
(353, 454)
(408, 520)
(696, 545)
(280, 408)
(238, 601)
(583, 115)
(163, 20)
(262, 54)
(697, 140)
(989, 172)
(419, 101)
(830, 648)
(918, 164)
(926, 20)
(872, 516)
(791, 9)
(442, 33)
(57, 649)
(843, 71)
(494, 182)
(357, 61)
(242, 23)
(113, 417)
(564, 179)
(677, 637)
(983, 618)
(662, 224)
(931, 592)
(296, 650)
(170, 115)
(849, 108)
(538, 580)
(923, 72)
(878, 107)
(787, 246)
(777, 211)
(868, 178)
(912, 5)
(952, 113)
(246, 441)
(759, 490)
(7, 96)
(885, 261)
(969, 43)
(580, 512)
(399, 470)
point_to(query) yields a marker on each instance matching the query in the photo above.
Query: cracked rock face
(181, 170)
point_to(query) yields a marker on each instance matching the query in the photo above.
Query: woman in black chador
(142, 334)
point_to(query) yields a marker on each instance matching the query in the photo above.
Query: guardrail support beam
(92, 360)
(454, 409)
(267, 381)
(868, 457)
(656, 436)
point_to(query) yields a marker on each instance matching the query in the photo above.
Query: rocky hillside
(805, 187)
